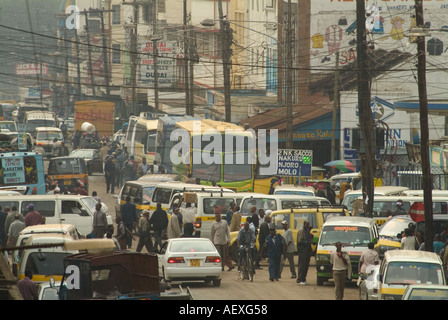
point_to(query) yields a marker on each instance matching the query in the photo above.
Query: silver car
(368, 288)
(426, 292)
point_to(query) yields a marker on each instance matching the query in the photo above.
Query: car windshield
(66, 166)
(413, 272)
(47, 263)
(259, 203)
(50, 293)
(82, 153)
(394, 226)
(8, 125)
(428, 294)
(347, 235)
(49, 135)
(191, 246)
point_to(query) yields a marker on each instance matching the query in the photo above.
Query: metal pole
(424, 144)
(289, 140)
(186, 61)
(335, 107)
(226, 63)
(365, 113)
(155, 52)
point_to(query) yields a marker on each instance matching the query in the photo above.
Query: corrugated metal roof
(312, 107)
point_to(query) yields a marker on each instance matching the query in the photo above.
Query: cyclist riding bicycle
(245, 238)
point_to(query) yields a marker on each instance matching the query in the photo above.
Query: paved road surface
(234, 289)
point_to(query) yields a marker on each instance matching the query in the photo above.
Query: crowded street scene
(242, 152)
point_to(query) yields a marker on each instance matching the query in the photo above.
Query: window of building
(116, 53)
(116, 14)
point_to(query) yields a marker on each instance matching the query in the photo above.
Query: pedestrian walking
(33, 217)
(109, 173)
(14, 230)
(11, 217)
(275, 247)
(188, 214)
(368, 258)
(173, 229)
(99, 222)
(220, 236)
(290, 249)
(159, 223)
(27, 288)
(304, 241)
(144, 234)
(341, 270)
(264, 232)
(129, 217)
(235, 222)
(121, 233)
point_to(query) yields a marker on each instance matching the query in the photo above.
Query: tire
(320, 281)
(216, 282)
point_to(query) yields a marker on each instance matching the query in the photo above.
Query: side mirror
(84, 213)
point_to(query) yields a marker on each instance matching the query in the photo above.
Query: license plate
(195, 263)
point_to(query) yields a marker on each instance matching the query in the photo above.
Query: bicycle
(246, 265)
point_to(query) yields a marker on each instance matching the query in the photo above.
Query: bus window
(151, 143)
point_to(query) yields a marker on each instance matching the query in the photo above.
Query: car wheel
(216, 282)
(163, 275)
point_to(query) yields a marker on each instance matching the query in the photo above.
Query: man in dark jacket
(159, 221)
(109, 172)
(128, 216)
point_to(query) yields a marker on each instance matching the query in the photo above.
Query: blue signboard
(294, 163)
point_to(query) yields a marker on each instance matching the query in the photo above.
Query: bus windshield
(66, 166)
(347, 235)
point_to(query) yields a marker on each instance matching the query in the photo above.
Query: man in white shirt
(188, 215)
(290, 248)
(341, 270)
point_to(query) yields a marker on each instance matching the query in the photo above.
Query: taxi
(401, 268)
(355, 233)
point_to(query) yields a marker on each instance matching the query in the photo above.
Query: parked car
(389, 234)
(190, 259)
(48, 290)
(368, 288)
(426, 292)
(92, 158)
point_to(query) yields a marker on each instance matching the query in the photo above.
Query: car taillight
(213, 259)
(198, 223)
(176, 260)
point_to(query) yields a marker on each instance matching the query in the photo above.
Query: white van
(48, 262)
(400, 268)
(45, 136)
(290, 189)
(164, 192)
(65, 229)
(72, 209)
(354, 233)
(386, 206)
(350, 196)
(279, 202)
(208, 204)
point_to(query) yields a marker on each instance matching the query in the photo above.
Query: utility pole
(367, 126)
(226, 63)
(288, 137)
(89, 51)
(105, 56)
(155, 53)
(186, 61)
(335, 107)
(134, 59)
(424, 144)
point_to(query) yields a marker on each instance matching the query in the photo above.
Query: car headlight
(322, 257)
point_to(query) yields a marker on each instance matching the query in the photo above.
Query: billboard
(166, 63)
